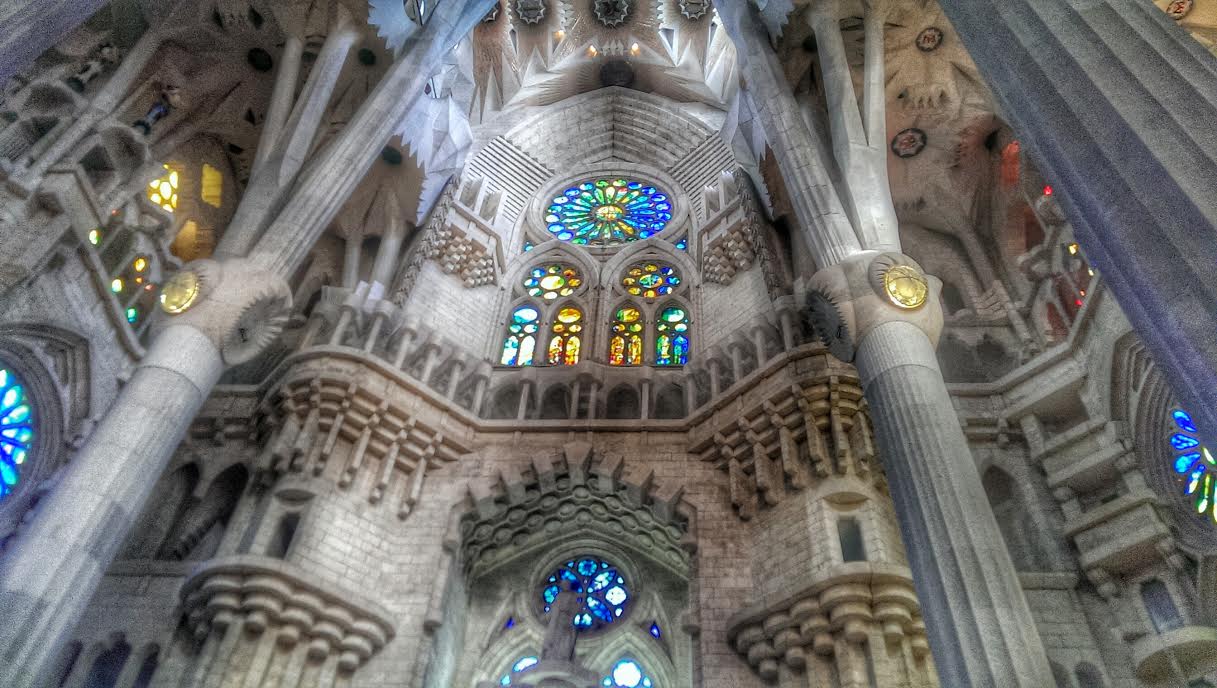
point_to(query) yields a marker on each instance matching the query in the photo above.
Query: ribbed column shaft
(49, 577)
(1118, 106)
(980, 627)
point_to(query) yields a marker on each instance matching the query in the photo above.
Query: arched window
(520, 665)
(672, 337)
(602, 591)
(625, 347)
(1089, 676)
(608, 212)
(565, 336)
(627, 673)
(521, 338)
(1161, 606)
(849, 534)
(163, 190)
(16, 429)
(650, 279)
(1194, 463)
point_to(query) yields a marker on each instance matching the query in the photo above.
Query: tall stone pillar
(32, 28)
(981, 629)
(1118, 106)
(48, 578)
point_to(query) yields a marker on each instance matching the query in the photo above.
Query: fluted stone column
(981, 629)
(1118, 107)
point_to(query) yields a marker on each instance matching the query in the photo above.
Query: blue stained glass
(511, 622)
(602, 590)
(655, 630)
(521, 664)
(1184, 420)
(608, 212)
(1181, 441)
(17, 428)
(1184, 462)
(1196, 474)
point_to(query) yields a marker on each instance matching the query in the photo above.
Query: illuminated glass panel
(625, 346)
(566, 337)
(551, 281)
(521, 664)
(211, 190)
(521, 338)
(608, 212)
(650, 280)
(163, 190)
(672, 337)
(17, 430)
(1195, 465)
(602, 590)
(627, 673)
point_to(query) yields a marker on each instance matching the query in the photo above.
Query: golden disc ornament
(905, 286)
(180, 292)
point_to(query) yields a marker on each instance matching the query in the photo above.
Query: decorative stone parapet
(353, 419)
(271, 595)
(844, 603)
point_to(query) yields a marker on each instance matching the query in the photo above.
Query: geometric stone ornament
(612, 13)
(530, 11)
(1178, 9)
(694, 9)
(929, 39)
(909, 143)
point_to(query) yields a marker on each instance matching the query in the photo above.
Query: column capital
(852, 298)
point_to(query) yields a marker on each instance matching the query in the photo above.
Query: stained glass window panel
(1195, 465)
(566, 337)
(521, 664)
(17, 430)
(521, 338)
(672, 337)
(608, 212)
(551, 281)
(602, 591)
(627, 673)
(650, 280)
(625, 346)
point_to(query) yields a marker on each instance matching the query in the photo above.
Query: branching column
(1118, 106)
(51, 573)
(981, 629)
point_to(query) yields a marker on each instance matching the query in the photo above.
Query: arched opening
(505, 403)
(670, 402)
(172, 500)
(1160, 606)
(283, 536)
(623, 403)
(108, 665)
(1007, 508)
(849, 535)
(556, 403)
(197, 535)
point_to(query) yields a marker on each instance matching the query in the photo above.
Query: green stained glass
(608, 212)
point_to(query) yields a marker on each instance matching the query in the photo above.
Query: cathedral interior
(608, 343)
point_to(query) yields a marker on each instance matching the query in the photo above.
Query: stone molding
(521, 508)
(267, 594)
(845, 602)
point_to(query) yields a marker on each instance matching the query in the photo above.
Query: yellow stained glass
(212, 187)
(163, 191)
(569, 315)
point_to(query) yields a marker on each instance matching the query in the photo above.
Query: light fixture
(905, 286)
(634, 49)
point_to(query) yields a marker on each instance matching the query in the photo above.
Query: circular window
(551, 281)
(16, 430)
(1195, 465)
(601, 589)
(650, 280)
(608, 212)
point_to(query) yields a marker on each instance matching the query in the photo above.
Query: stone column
(49, 576)
(1118, 106)
(31, 29)
(980, 627)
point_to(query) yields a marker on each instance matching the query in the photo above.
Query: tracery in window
(566, 337)
(650, 280)
(602, 590)
(627, 673)
(625, 347)
(608, 212)
(671, 337)
(521, 338)
(521, 664)
(163, 190)
(1195, 463)
(551, 281)
(16, 429)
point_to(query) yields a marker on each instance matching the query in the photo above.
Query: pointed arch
(672, 341)
(522, 331)
(625, 335)
(655, 249)
(566, 333)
